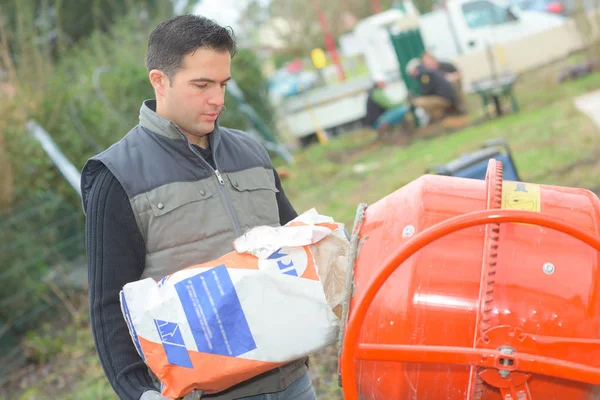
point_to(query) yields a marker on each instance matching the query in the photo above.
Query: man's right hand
(154, 395)
(453, 76)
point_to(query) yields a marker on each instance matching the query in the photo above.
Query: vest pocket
(181, 213)
(253, 179)
(172, 196)
(254, 194)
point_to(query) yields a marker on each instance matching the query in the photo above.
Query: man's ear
(159, 81)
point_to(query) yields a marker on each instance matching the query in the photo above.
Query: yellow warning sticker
(521, 196)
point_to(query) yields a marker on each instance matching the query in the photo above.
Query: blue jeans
(300, 389)
(392, 116)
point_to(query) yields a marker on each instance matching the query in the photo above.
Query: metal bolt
(548, 268)
(408, 231)
(505, 350)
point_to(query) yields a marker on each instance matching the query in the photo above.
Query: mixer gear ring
(486, 295)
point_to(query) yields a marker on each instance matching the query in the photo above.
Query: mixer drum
(513, 287)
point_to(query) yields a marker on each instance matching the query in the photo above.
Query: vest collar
(159, 125)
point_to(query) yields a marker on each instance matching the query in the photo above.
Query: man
(381, 112)
(450, 72)
(438, 97)
(174, 192)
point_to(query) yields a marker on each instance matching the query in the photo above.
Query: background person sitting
(382, 112)
(438, 97)
(451, 73)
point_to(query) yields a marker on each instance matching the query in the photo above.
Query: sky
(224, 12)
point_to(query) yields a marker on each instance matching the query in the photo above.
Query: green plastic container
(408, 45)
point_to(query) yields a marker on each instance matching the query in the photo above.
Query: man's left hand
(195, 395)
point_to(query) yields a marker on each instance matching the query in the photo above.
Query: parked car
(558, 7)
(285, 84)
(551, 6)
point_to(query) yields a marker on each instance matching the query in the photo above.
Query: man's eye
(223, 85)
(201, 86)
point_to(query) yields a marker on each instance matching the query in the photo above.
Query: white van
(463, 26)
(468, 25)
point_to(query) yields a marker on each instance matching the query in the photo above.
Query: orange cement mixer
(475, 290)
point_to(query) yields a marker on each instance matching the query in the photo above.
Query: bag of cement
(276, 298)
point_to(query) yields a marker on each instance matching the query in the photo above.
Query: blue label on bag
(214, 313)
(284, 262)
(172, 341)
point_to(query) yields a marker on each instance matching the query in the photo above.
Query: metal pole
(329, 42)
(67, 169)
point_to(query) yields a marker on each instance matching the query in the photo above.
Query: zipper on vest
(219, 177)
(236, 224)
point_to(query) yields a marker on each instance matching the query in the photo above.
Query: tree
(246, 70)
(298, 25)
(56, 23)
(251, 19)
(295, 24)
(585, 26)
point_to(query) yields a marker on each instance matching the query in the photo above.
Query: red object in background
(456, 298)
(555, 7)
(294, 66)
(376, 6)
(329, 42)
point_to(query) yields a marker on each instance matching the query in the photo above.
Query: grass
(552, 143)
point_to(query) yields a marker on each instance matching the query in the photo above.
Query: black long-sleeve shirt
(434, 83)
(116, 256)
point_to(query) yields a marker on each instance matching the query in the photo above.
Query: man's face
(429, 62)
(196, 93)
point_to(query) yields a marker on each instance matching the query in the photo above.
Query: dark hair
(176, 37)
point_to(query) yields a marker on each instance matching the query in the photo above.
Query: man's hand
(453, 76)
(154, 395)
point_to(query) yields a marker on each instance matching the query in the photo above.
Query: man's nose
(217, 98)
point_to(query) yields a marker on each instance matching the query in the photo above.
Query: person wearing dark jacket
(451, 73)
(176, 191)
(438, 96)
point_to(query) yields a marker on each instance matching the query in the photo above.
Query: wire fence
(42, 263)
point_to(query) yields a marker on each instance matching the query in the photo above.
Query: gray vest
(189, 213)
